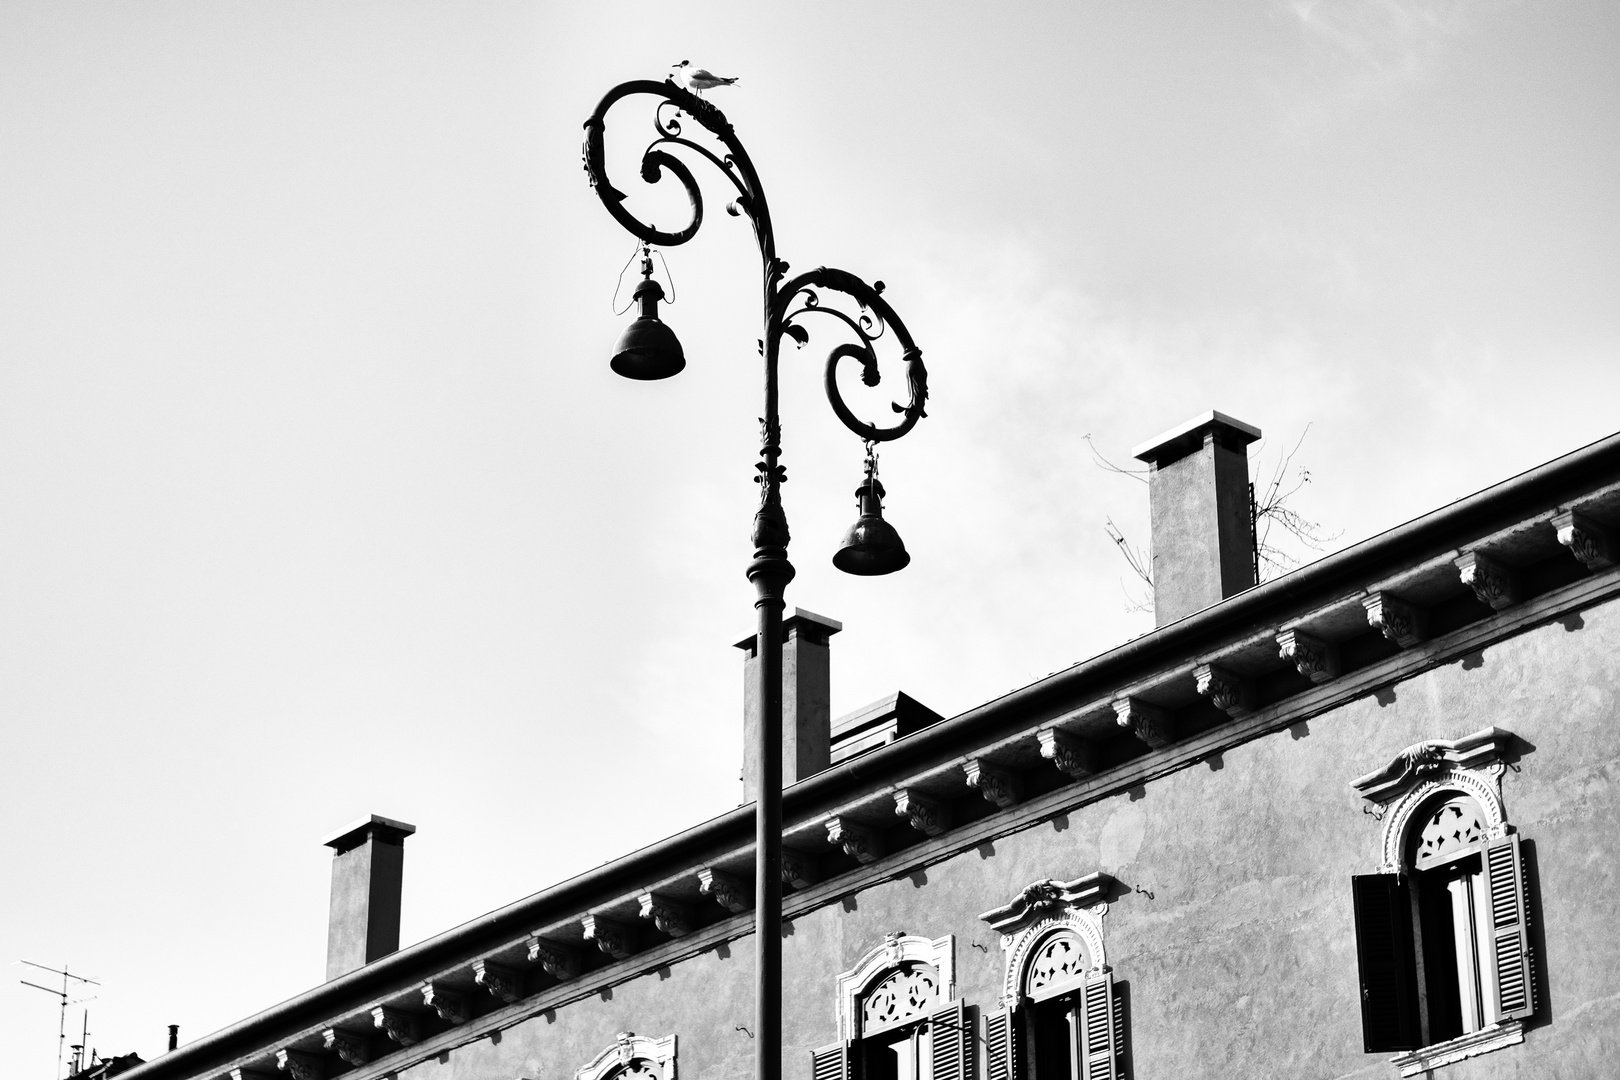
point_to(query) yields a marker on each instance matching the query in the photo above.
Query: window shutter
(1510, 992)
(1000, 1038)
(1097, 1028)
(1383, 904)
(948, 1029)
(830, 1063)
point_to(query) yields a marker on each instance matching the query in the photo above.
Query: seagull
(698, 79)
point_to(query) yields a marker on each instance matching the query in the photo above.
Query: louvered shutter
(1001, 1037)
(1119, 1029)
(949, 1032)
(1506, 944)
(1389, 1020)
(830, 1063)
(1097, 1029)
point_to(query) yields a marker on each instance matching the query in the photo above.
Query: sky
(318, 498)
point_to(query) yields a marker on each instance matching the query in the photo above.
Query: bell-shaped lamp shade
(648, 349)
(871, 546)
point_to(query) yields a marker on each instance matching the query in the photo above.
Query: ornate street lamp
(648, 349)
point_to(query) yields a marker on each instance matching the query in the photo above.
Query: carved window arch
(1442, 930)
(1060, 1015)
(898, 1017)
(632, 1057)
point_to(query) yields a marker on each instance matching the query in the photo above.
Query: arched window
(897, 1018)
(632, 1057)
(1442, 932)
(1060, 1018)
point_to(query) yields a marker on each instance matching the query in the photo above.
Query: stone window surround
(627, 1047)
(1473, 766)
(897, 949)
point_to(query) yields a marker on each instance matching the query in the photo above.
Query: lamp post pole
(649, 350)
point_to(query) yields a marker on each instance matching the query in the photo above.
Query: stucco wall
(1236, 940)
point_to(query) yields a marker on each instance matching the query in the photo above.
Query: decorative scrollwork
(657, 158)
(909, 993)
(1061, 959)
(801, 297)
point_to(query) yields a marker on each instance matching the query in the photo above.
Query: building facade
(1360, 820)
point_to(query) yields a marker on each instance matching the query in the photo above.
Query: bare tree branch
(1103, 463)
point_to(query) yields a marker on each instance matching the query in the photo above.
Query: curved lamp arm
(787, 304)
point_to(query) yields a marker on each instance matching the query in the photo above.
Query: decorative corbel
(1404, 624)
(451, 1005)
(1001, 786)
(1070, 753)
(1149, 723)
(670, 917)
(728, 890)
(301, 1064)
(397, 1024)
(798, 869)
(503, 982)
(1586, 539)
(1226, 691)
(1316, 659)
(926, 815)
(858, 841)
(352, 1046)
(1492, 582)
(558, 961)
(612, 938)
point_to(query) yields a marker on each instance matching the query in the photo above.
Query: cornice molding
(558, 961)
(1226, 690)
(859, 842)
(1149, 723)
(1042, 897)
(301, 1064)
(728, 890)
(1404, 624)
(670, 916)
(1424, 760)
(451, 1005)
(1493, 583)
(503, 982)
(1588, 541)
(928, 816)
(1070, 753)
(400, 1026)
(613, 938)
(1314, 658)
(354, 1047)
(1003, 787)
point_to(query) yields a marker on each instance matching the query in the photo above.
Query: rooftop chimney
(806, 699)
(368, 862)
(174, 1036)
(1198, 488)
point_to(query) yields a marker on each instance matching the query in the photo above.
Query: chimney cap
(1183, 439)
(357, 832)
(801, 619)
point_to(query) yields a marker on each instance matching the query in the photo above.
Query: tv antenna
(63, 995)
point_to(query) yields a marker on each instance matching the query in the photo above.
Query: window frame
(1392, 914)
(1093, 1012)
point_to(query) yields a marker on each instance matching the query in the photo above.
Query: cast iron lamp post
(648, 349)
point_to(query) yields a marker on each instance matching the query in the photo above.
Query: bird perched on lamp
(698, 79)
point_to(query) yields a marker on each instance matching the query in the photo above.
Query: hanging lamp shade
(871, 546)
(648, 349)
